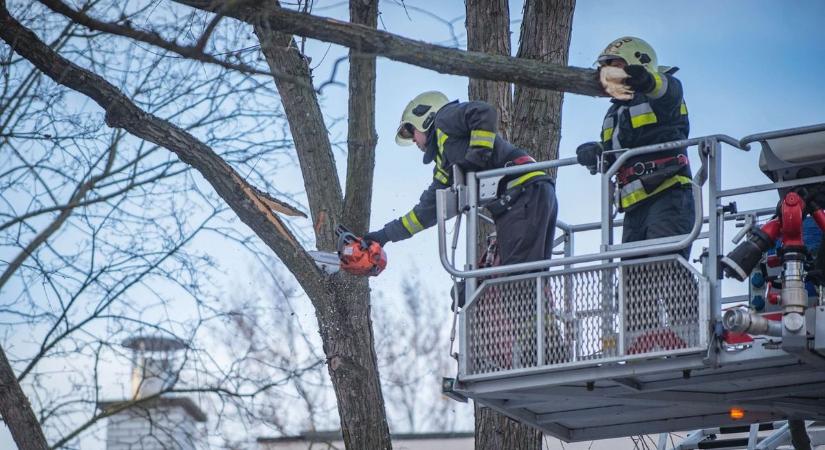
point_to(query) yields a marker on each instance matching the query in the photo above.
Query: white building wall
(158, 428)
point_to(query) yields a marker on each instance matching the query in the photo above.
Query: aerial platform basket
(630, 339)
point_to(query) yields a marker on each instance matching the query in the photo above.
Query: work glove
(639, 79)
(613, 82)
(588, 155)
(379, 236)
(478, 158)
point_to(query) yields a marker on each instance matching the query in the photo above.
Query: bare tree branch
(195, 52)
(441, 59)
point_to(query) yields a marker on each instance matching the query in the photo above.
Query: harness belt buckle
(639, 168)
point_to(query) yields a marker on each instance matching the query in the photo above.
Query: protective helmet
(420, 114)
(632, 50)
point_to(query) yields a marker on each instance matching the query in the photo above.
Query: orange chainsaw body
(358, 256)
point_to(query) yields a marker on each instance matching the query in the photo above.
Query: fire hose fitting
(794, 295)
(743, 321)
(741, 261)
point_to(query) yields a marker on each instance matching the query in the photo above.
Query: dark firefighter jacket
(649, 118)
(459, 128)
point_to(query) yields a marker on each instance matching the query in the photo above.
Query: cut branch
(441, 59)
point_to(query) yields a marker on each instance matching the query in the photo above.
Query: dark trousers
(525, 232)
(669, 213)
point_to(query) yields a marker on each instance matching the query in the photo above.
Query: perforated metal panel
(591, 315)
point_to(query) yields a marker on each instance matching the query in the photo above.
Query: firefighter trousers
(525, 232)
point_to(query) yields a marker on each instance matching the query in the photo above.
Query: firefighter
(647, 108)
(465, 134)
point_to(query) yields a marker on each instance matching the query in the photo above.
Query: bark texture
(361, 136)
(545, 36)
(488, 31)
(441, 59)
(536, 125)
(17, 412)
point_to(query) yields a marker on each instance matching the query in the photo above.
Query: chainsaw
(355, 255)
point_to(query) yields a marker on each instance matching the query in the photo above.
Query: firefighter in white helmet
(465, 134)
(647, 108)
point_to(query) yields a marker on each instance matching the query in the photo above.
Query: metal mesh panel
(588, 315)
(662, 308)
(503, 327)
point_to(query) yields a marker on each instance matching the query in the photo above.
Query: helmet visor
(405, 131)
(604, 60)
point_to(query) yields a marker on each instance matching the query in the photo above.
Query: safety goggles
(605, 60)
(406, 131)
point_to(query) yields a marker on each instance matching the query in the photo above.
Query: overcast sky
(746, 67)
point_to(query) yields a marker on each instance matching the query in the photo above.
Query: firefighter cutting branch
(464, 134)
(647, 108)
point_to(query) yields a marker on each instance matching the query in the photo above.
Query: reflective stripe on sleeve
(641, 115)
(660, 88)
(607, 129)
(683, 108)
(482, 138)
(411, 223)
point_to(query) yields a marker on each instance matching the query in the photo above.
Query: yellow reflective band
(522, 179)
(411, 223)
(607, 134)
(482, 138)
(643, 119)
(441, 178)
(683, 108)
(659, 88)
(442, 137)
(634, 192)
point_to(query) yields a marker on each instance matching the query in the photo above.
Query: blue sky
(746, 67)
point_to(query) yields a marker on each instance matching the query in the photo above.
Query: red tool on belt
(355, 255)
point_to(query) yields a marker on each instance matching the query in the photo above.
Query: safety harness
(514, 187)
(645, 179)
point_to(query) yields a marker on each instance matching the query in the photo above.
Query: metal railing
(607, 312)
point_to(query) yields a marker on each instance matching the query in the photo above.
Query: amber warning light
(737, 413)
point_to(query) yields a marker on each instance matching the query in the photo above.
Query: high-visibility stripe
(683, 108)
(659, 88)
(641, 115)
(411, 223)
(441, 137)
(523, 179)
(607, 128)
(441, 178)
(482, 138)
(634, 192)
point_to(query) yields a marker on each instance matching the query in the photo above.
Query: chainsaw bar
(326, 261)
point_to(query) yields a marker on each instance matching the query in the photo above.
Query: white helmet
(419, 114)
(632, 50)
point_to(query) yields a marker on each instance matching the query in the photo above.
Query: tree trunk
(545, 36)
(17, 412)
(361, 136)
(343, 309)
(488, 31)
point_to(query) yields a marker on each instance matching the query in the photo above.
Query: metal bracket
(447, 388)
(488, 189)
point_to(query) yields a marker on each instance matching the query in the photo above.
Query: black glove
(588, 155)
(478, 158)
(379, 236)
(640, 80)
